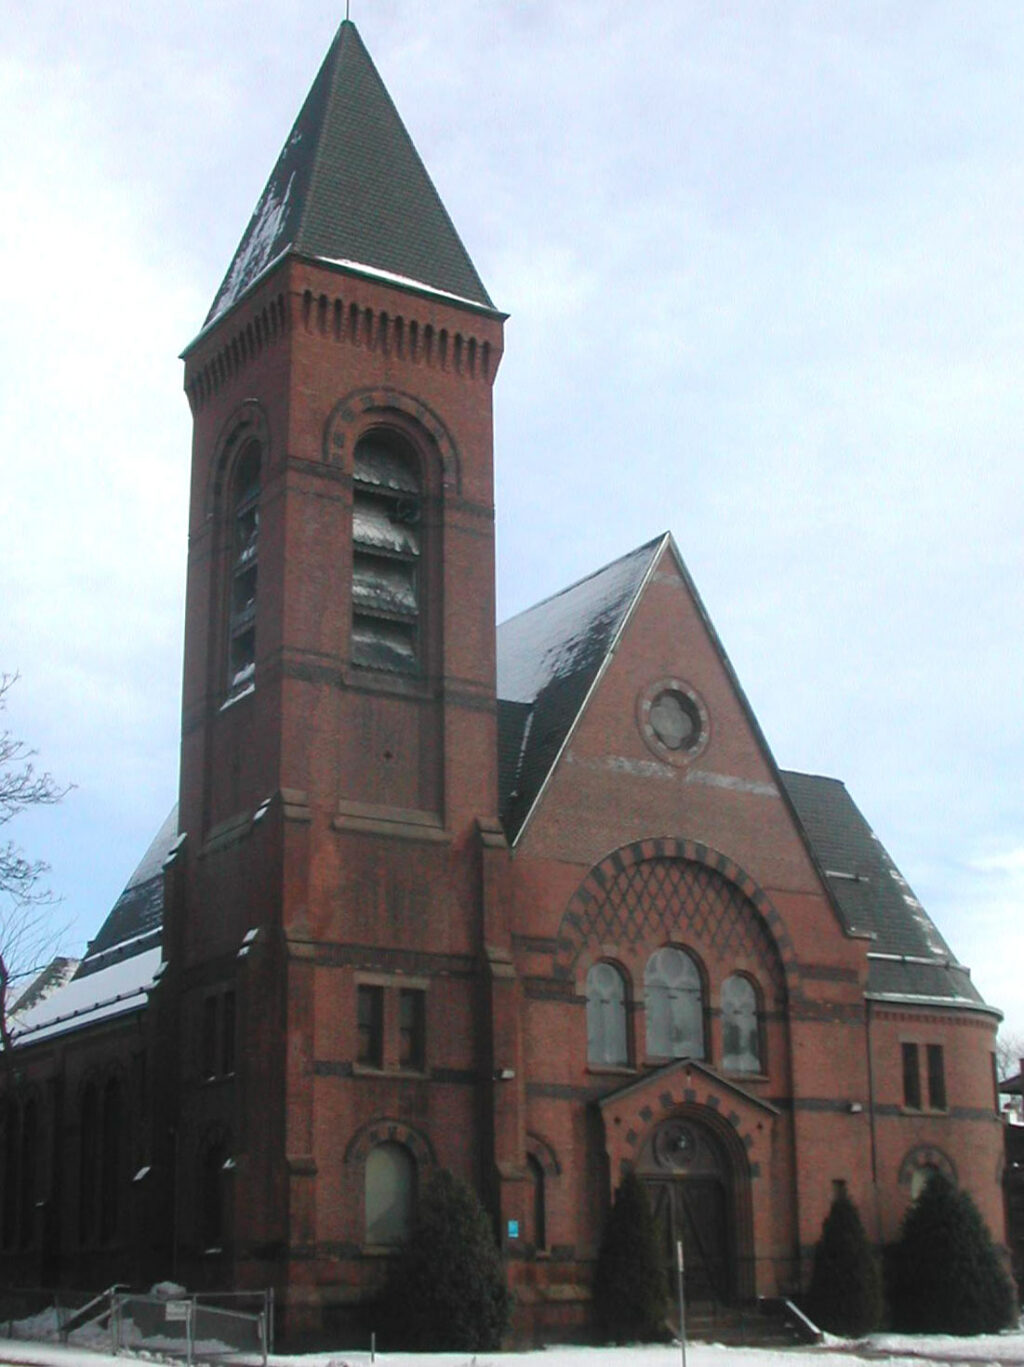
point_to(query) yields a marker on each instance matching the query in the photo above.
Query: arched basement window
(741, 1029)
(110, 1168)
(606, 1016)
(88, 1164)
(386, 554)
(244, 534)
(390, 1194)
(675, 1005)
(212, 1178)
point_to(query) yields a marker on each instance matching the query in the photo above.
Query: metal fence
(197, 1328)
(202, 1327)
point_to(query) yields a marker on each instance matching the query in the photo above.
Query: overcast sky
(765, 274)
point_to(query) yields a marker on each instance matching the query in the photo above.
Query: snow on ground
(894, 1350)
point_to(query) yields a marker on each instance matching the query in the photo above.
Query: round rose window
(673, 720)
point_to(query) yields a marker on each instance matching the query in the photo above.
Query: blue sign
(513, 1229)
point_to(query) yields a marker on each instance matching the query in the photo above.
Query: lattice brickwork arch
(653, 891)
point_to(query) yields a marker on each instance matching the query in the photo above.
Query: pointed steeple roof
(349, 186)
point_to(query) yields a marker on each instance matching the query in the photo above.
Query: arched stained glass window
(741, 1029)
(390, 1194)
(386, 551)
(244, 533)
(606, 1016)
(675, 1005)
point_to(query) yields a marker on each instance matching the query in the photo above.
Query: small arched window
(390, 1194)
(386, 554)
(212, 1193)
(29, 1150)
(12, 1175)
(244, 534)
(88, 1161)
(110, 1174)
(675, 1005)
(538, 1210)
(741, 1028)
(606, 1016)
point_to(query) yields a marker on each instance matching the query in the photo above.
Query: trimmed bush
(845, 1295)
(945, 1273)
(447, 1289)
(630, 1289)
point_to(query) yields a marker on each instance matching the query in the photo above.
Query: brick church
(537, 906)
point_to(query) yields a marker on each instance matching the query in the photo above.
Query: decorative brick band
(347, 414)
(388, 1131)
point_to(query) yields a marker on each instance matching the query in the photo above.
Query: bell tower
(338, 761)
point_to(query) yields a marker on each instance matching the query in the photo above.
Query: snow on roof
(85, 1001)
(392, 277)
(547, 641)
(153, 860)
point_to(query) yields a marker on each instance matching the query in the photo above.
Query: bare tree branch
(1009, 1052)
(28, 936)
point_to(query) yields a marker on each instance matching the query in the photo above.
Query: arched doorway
(692, 1184)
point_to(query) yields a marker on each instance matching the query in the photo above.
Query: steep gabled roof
(908, 959)
(120, 963)
(548, 659)
(349, 187)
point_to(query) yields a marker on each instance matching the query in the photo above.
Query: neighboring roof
(103, 995)
(908, 959)
(53, 977)
(548, 659)
(134, 922)
(120, 963)
(1013, 1086)
(349, 187)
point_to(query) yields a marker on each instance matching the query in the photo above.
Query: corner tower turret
(338, 741)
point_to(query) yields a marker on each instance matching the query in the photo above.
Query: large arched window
(29, 1151)
(741, 1027)
(606, 1016)
(538, 1234)
(244, 530)
(111, 1164)
(88, 1162)
(12, 1175)
(390, 1194)
(386, 554)
(212, 1194)
(675, 1005)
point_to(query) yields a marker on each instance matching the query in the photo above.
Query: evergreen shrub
(845, 1295)
(630, 1287)
(446, 1290)
(946, 1276)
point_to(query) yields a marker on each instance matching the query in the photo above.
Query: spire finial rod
(346, 10)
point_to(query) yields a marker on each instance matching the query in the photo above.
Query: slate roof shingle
(908, 958)
(349, 187)
(548, 659)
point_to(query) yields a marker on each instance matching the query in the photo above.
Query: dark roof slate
(349, 186)
(548, 659)
(907, 957)
(135, 921)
